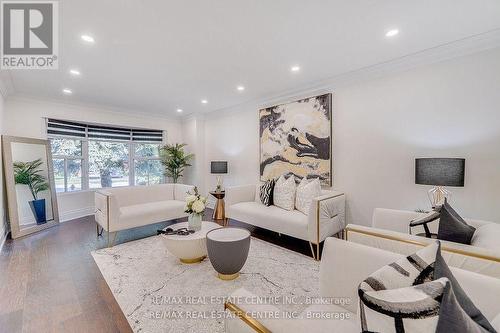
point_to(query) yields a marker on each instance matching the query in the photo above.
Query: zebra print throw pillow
(266, 192)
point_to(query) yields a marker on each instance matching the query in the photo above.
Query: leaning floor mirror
(31, 196)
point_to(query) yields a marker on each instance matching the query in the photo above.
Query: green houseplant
(174, 160)
(29, 174)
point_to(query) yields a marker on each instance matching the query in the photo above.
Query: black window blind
(83, 130)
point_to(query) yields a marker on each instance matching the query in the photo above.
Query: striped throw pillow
(266, 192)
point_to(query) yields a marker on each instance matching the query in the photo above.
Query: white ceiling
(157, 56)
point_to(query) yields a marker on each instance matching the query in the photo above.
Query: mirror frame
(16, 231)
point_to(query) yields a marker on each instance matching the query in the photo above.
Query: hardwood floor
(50, 283)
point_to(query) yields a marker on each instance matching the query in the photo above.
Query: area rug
(157, 293)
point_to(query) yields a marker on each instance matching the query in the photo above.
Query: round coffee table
(228, 251)
(191, 248)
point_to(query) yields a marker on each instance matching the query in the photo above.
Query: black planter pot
(38, 209)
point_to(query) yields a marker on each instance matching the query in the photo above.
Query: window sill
(63, 194)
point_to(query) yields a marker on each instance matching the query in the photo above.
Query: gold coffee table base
(228, 277)
(192, 261)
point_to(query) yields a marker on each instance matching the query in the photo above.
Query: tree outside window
(108, 164)
(80, 164)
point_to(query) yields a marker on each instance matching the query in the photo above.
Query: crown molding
(96, 107)
(448, 51)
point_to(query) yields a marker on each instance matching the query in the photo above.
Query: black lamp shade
(440, 171)
(218, 167)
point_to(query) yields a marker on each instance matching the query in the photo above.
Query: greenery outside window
(101, 156)
(148, 168)
(67, 161)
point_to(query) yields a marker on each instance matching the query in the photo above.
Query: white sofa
(343, 267)
(326, 215)
(390, 231)
(121, 208)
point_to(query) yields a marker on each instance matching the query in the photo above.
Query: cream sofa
(121, 208)
(326, 215)
(343, 267)
(390, 231)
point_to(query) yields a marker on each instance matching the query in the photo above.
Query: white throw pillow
(487, 236)
(284, 193)
(306, 192)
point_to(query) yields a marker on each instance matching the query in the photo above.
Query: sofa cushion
(487, 236)
(134, 195)
(306, 192)
(452, 227)
(288, 222)
(151, 212)
(284, 193)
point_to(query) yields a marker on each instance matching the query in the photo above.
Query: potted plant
(195, 207)
(29, 174)
(174, 159)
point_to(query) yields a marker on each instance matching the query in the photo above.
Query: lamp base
(219, 188)
(437, 196)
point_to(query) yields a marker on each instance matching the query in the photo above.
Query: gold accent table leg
(228, 277)
(219, 210)
(192, 261)
(312, 251)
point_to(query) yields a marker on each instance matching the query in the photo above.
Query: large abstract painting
(295, 138)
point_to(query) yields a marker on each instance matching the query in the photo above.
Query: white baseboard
(76, 213)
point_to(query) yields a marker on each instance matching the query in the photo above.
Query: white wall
(25, 117)
(3, 205)
(448, 109)
(193, 134)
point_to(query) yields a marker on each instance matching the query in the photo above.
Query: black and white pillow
(408, 309)
(401, 297)
(266, 192)
(427, 307)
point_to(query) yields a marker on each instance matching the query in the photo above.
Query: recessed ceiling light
(179, 110)
(74, 72)
(204, 101)
(67, 91)
(240, 88)
(392, 33)
(88, 38)
(295, 68)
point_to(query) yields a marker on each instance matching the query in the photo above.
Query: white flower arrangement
(195, 203)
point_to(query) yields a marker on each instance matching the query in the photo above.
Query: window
(89, 156)
(148, 168)
(67, 160)
(108, 164)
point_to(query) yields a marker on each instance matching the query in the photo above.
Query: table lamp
(439, 172)
(218, 168)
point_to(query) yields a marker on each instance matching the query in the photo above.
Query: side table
(219, 210)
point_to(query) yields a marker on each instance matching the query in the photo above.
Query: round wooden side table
(219, 210)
